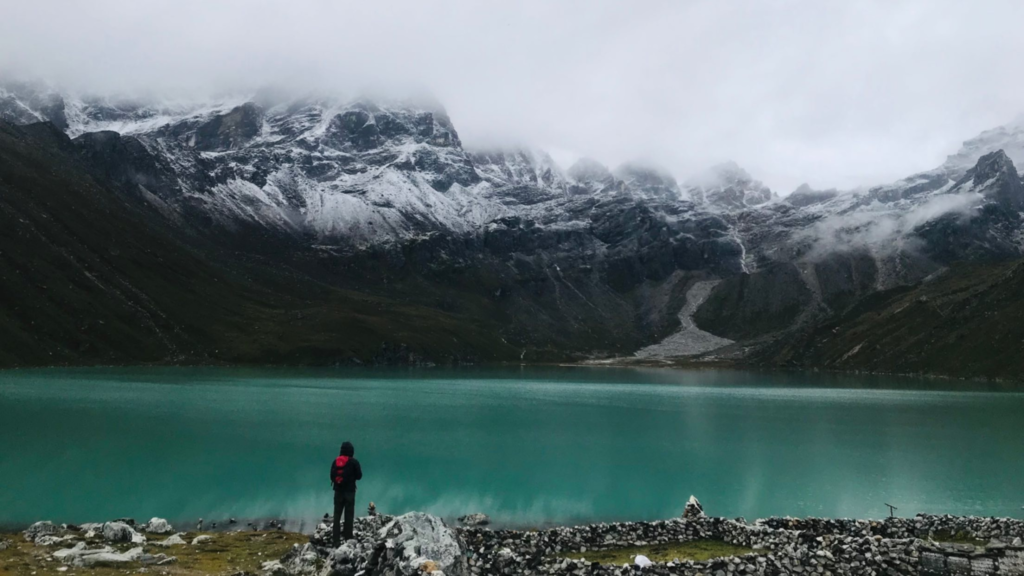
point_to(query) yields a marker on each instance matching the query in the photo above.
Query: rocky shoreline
(417, 543)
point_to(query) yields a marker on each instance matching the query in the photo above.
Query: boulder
(108, 558)
(157, 526)
(693, 508)
(118, 531)
(5, 544)
(477, 519)
(172, 540)
(38, 529)
(67, 555)
(201, 539)
(416, 538)
(48, 540)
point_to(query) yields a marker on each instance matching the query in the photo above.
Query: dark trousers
(344, 503)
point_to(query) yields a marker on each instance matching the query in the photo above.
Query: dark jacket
(350, 472)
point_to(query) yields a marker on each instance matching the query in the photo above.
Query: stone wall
(942, 561)
(921, 526)
(408, 545)
(778, 551)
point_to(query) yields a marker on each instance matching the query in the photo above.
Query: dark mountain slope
(95, 268)
(967, 322)
(89, 276)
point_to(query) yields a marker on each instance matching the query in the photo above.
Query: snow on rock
(338, 172)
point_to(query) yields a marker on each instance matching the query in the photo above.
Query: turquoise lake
(528, 446)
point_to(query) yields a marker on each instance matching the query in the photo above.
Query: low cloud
(837, 94)
(883, 229)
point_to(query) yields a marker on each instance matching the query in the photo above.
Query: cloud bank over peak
(837, 95)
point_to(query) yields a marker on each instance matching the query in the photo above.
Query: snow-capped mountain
(390, 182)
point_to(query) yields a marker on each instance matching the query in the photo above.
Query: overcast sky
(841, 93)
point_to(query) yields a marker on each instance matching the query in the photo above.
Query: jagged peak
(994, 163)
(1009, 138)
(589, 170)
(517, 165)
(995, 176)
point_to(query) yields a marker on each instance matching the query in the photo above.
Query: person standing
(345, 470)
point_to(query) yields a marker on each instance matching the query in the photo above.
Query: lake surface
(527, 446)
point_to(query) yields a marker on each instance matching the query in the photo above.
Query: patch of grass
(696, 550)
(228, 553)
(947, 537)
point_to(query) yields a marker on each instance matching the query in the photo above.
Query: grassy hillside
(967, 322)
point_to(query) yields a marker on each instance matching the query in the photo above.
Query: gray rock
(202, 539)
(172, 540)
(42, 528)
(157, 526)
(81, 556)
(5, 544)
(420, 538)
(273, 568)
(48, 540)
(477, 519)
(68, 555)
(119, 532)
(107, 558)
(345, 560)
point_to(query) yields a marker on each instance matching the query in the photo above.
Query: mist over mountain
(835, 96)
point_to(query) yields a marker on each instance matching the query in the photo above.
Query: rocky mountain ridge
(383, 197)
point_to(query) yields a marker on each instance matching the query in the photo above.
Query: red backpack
(339, 469)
